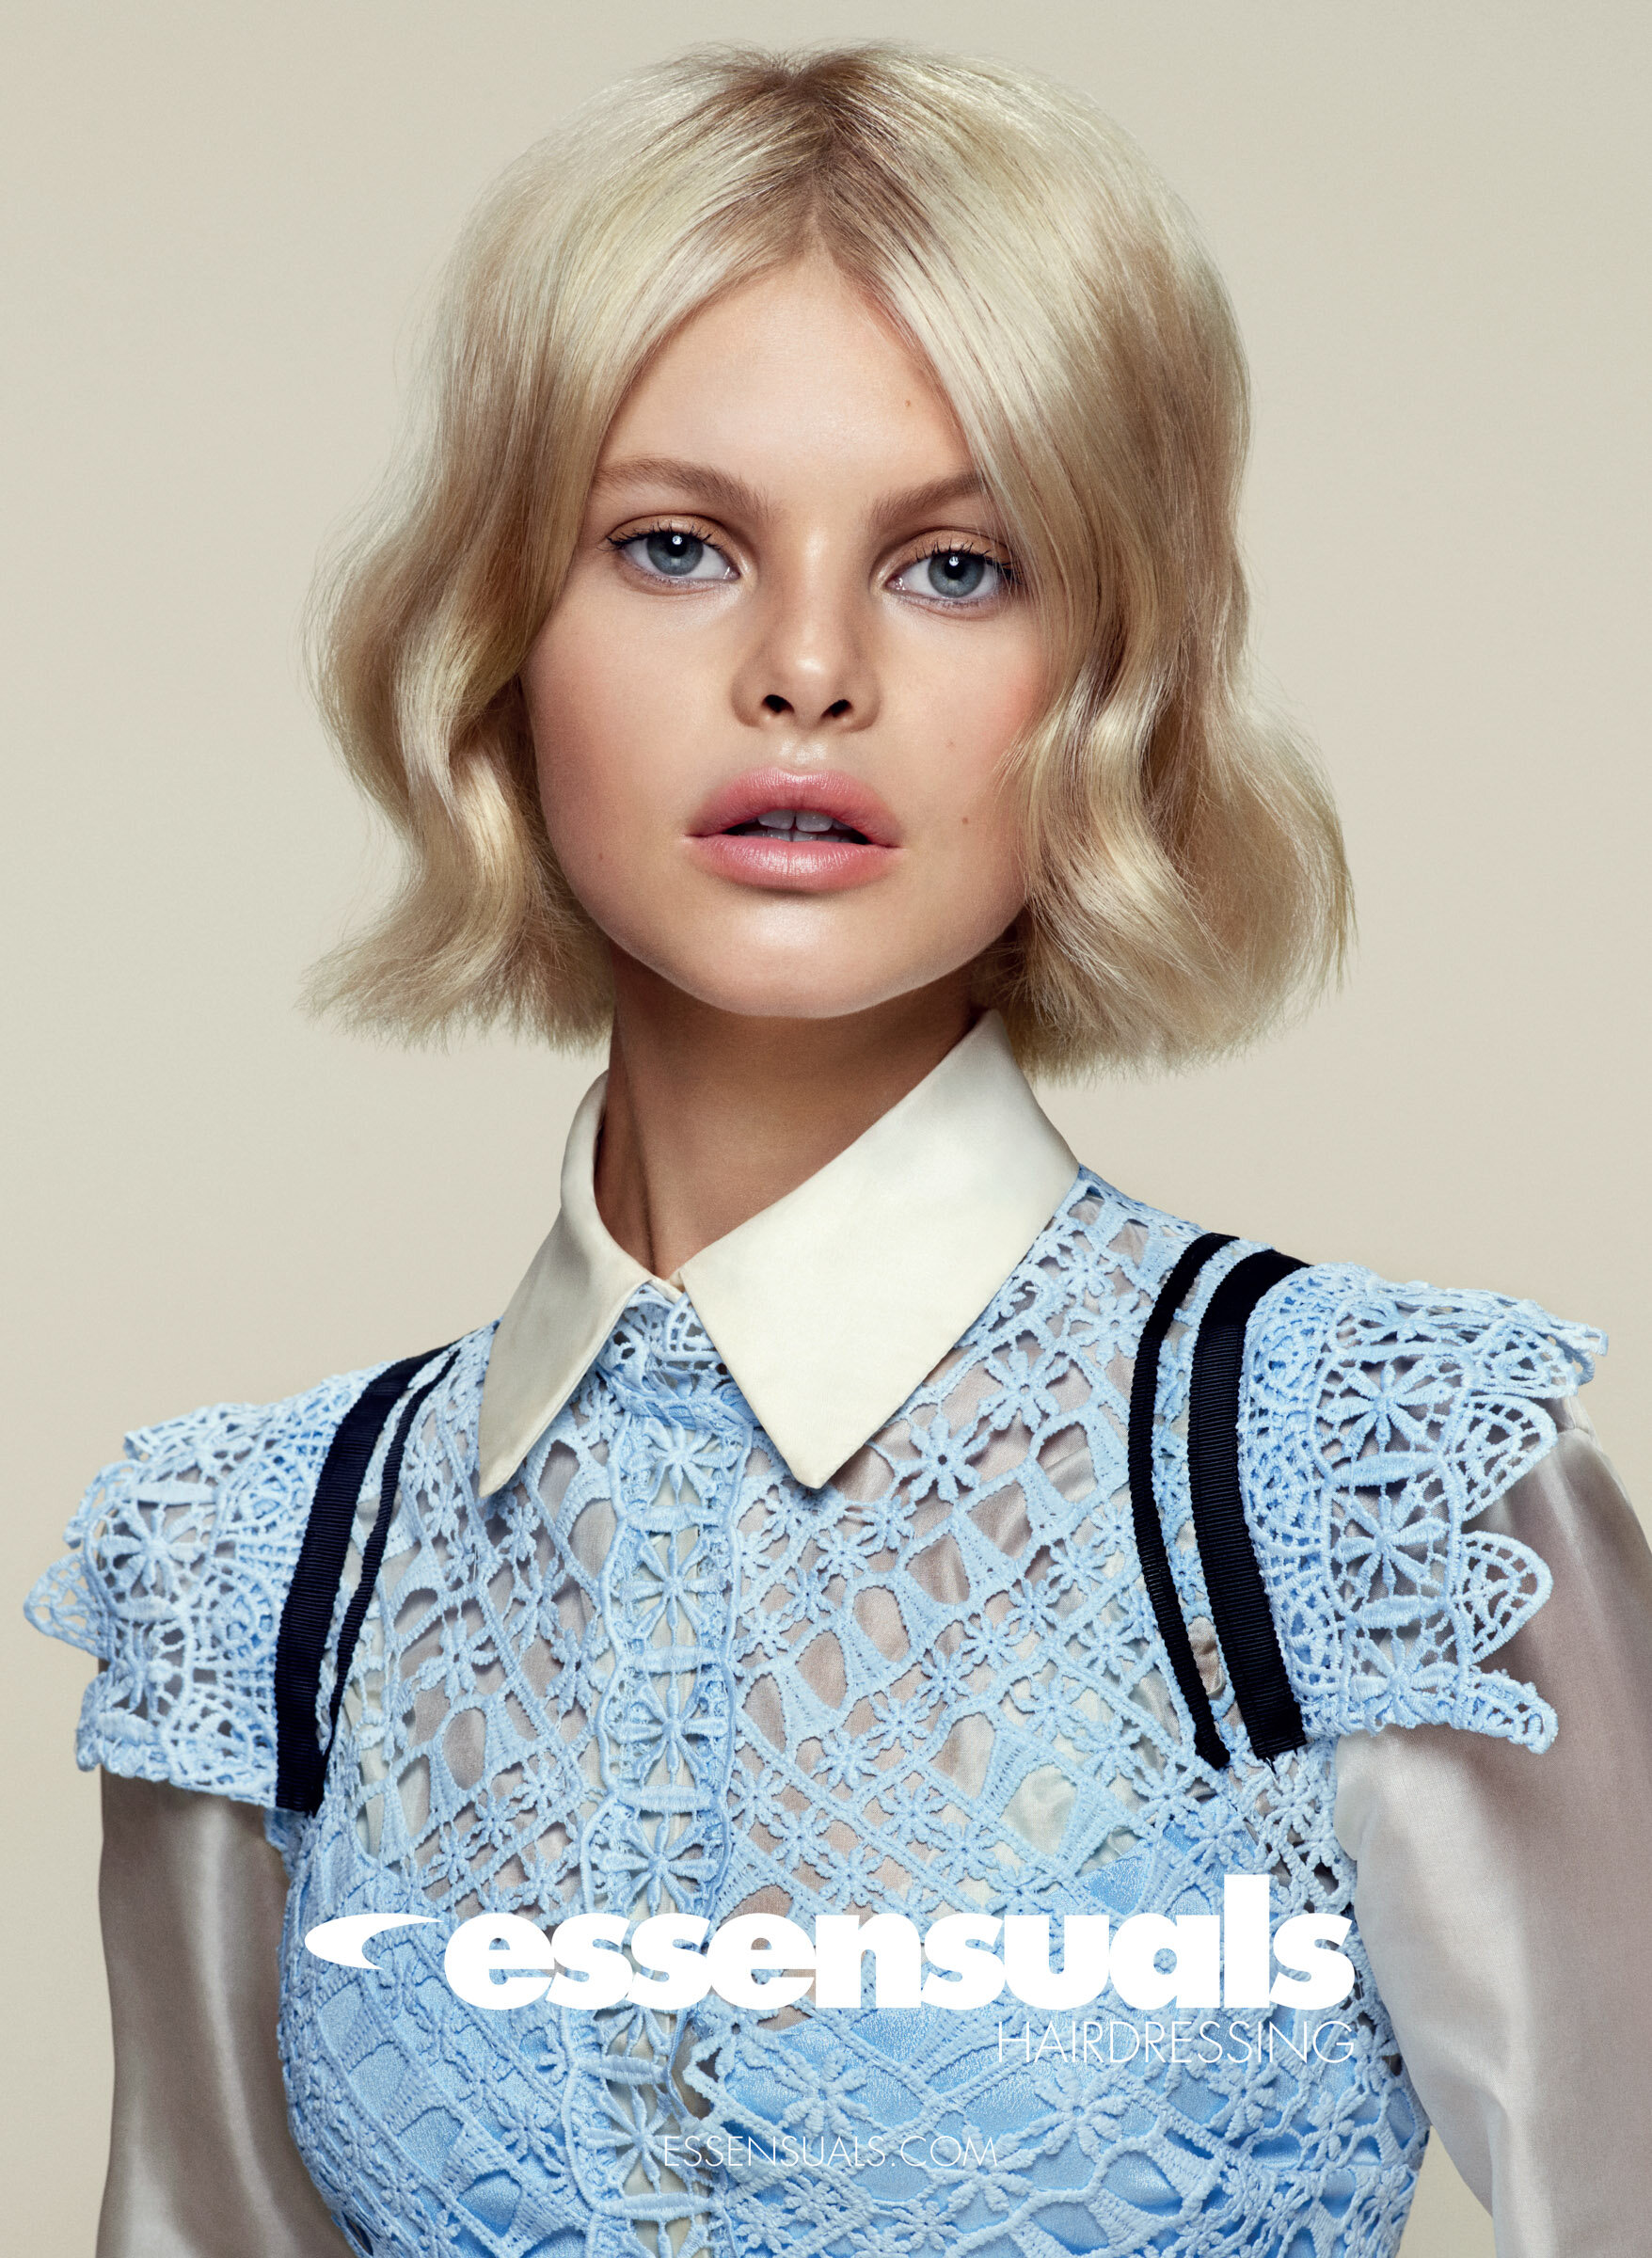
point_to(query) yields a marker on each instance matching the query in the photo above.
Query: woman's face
(770, 707)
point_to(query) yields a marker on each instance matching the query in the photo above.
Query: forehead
(793, 380)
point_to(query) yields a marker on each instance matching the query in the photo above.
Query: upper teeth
(795, 818)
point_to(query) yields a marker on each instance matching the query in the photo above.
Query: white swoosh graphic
(341, 1941)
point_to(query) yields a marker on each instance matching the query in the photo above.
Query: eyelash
(621, 542)
(1009, 573)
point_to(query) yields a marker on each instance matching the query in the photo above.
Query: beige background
(220, 216)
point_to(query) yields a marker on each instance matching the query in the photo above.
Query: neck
(711, 1116)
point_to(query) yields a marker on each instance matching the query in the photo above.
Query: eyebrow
(734, 497)
(724, 492)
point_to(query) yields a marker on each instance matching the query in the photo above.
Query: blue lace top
(654, 1671)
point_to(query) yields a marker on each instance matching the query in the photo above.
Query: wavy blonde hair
(1184, 868)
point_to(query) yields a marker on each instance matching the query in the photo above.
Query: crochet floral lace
(180, 1556)
(1381, 1420)
(655, 1673)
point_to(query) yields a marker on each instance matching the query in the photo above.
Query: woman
(805, 644)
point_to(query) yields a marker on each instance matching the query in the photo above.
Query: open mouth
(780, 832)
(797, 827)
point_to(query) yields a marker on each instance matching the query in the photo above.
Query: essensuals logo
(1235, 1959)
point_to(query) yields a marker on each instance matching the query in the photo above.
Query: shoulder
(1359, 1428)
(1431, 1348)
(1377, 1423)
(179, 1559)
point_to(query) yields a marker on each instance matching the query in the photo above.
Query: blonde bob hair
(1184, 863)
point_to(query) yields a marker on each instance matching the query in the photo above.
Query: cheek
(615, 720)
(971, 717)
(1005, 700)
(599, 725)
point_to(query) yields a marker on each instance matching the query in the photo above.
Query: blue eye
(961, 577)
(671, 554)
(675, 554)
(956, 572)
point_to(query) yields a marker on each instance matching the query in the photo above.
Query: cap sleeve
(1377, 1422)
(178, 1566)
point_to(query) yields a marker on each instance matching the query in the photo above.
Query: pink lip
(845, 798)
(779, 864)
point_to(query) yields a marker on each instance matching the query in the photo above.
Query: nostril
(839, 706)
(773, 704)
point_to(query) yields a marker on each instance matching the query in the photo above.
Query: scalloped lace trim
(1381, 1420)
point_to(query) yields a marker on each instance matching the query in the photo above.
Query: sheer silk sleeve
(1503, 1896)
(201, 2164)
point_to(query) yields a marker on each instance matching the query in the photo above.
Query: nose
(808, 664)
(839, 707)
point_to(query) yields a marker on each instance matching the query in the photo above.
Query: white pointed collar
(827, 1307)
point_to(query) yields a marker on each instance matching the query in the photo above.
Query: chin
(748, 982)
(789, 995)
(803, 959)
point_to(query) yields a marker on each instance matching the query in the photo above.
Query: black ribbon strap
(1150, 1534)
(373, 1551)
(307, 1614)
(1239, 1601)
